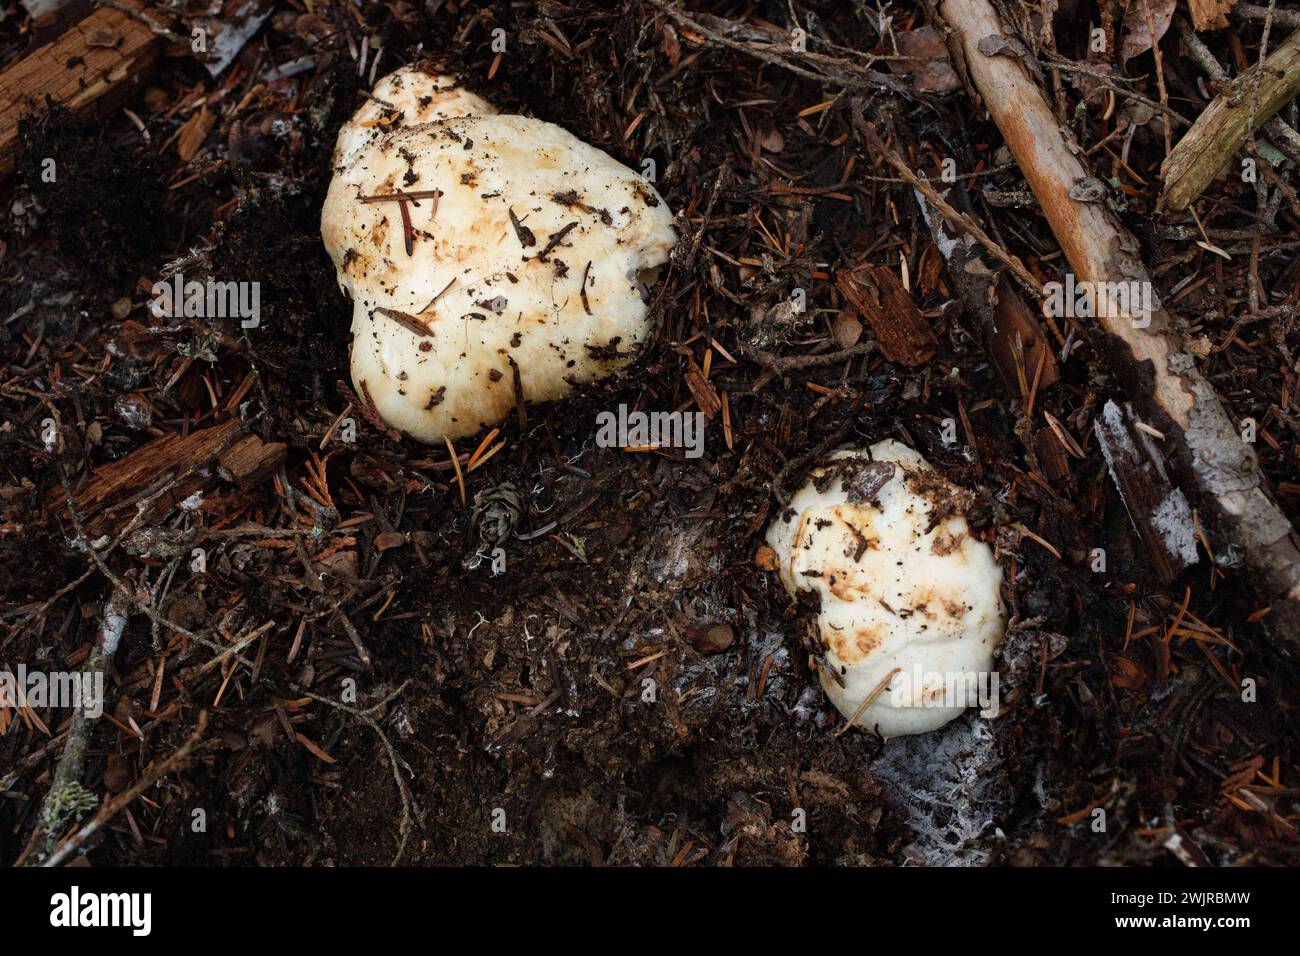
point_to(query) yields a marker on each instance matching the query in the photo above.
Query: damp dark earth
(322, 642)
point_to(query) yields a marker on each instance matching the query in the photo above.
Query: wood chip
(108, 500)
(77, 71)
(1210, 14)
(702, 390)
(879, 297)
(193, 133)
(250, 461)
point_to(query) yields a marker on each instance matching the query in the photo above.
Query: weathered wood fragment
(1224, 126)
(1157, 509)
(250, 461)
(95, 64)
(108, 500)
(878, 296)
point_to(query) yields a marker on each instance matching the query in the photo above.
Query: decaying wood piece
(904, 335)
(1210, 14)
(1224, 126)
(96, 63)
(1282, 136)
(109, 498)
(250, 461)
(1158, 510)
(1216, 469)
(1015, 339)
(1052, 456)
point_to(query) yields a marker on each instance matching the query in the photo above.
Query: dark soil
(577, 709)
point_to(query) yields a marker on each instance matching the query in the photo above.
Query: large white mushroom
(474, 245)
(905, 589)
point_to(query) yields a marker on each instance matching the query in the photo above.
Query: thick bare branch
(1216, 469)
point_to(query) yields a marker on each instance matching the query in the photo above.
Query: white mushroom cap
(434, 332)
(895, 593)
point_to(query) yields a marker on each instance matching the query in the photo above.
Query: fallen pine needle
(481, 445)
(868, 701)
(1045, 543)
(455, 463)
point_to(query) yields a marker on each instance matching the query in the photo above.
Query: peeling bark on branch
(1215, 467)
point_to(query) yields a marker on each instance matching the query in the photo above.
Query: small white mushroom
(911, 607)
(474, 244)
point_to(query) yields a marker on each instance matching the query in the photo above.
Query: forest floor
(372, 696)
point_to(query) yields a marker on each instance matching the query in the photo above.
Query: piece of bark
(1216, 469)
(189, 139)
(1052, 455)
(250, 461)
(1157, 509)
(1014, 336)
(904, 335)
(702, 390)
(108, 500)
(1210, 14)
(94, 64)
(231, 29)
(1224, 126)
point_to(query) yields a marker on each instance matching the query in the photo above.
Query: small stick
(1284, 137)
(1251, 11)
(111, 808)
(791, 363)
(363, 655)
(67, 772)
(404, 198)
(555, 240)
(406, 320)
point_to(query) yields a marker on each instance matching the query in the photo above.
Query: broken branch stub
(1225, 125)
(1207, 455)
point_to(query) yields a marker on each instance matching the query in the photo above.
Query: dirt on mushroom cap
(527, 249)
(902, 583)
